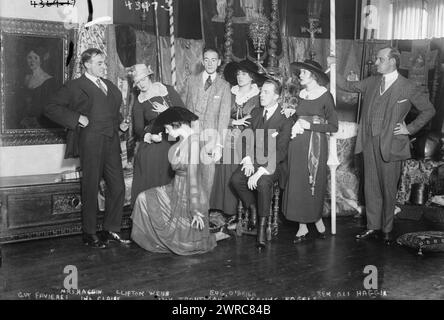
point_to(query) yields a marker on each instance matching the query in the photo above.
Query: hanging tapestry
(214, 13)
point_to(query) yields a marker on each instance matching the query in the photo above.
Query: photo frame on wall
(33, 58)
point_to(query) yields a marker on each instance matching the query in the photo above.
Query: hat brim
(174, 114)
(231, 69)
(296, 66)
(140, 77)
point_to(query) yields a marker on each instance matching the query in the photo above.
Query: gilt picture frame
(33, 67)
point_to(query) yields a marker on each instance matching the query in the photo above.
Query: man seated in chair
(266, 159)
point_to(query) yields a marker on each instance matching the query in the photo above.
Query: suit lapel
(213, 88)
(196, 83)
(111, 91)
(374, 90)
(86, 85)
(273, 119)
(395, 91)
(257, 121)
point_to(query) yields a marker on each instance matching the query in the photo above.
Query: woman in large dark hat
(314, 118)
(174, 217)
(246, 79)
(247, 66)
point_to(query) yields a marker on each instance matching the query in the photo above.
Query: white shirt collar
(91, 77)
(205, 76)
(389, 78)
(270, 111)
(94, 79)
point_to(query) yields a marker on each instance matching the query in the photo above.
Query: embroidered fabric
(242, 98)
(314, 150)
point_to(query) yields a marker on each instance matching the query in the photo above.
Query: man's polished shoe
(322, 235)
(252, 223)
(387, 237)
(367, 234)
(260, 242)
(93, 241)
(113, 236)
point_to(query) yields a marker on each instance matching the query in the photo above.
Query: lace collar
(313, 94)
(242, 98)
(157, 90)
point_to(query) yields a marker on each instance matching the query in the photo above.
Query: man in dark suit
(266, 158)
(89, 107)
(383, 136)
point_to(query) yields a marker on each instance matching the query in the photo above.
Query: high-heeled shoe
(322, 235)
(299, 239)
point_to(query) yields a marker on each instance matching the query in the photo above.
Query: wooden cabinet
(42, 206)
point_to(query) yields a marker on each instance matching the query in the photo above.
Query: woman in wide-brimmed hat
(246, 79)
(174, 217)
(151, 166)
(315, 117)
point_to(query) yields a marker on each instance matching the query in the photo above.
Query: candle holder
(259, 31)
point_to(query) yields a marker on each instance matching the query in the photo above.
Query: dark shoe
(261, 233)
(322, 235)
(93, 241)
(113, 236)
(388, 239)
(367, 234)
(300, 239)
(253, 217)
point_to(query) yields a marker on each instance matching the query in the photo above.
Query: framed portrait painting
(33, 68)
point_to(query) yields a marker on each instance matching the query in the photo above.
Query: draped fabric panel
(92, 37)
(403, 19)
(188, 57)
(435, 9)
(117, 74)
(347, 173)
(418, 19)
(348, 59)
(409, 19)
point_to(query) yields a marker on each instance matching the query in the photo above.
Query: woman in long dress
(151, 166)
(308, 150)
(174, 217)
(245, 97)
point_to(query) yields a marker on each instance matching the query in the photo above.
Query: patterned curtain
(348, 56)
(116, 73)
(91, 37)
(188, 57)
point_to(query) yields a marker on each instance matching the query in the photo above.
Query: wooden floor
(317, 269)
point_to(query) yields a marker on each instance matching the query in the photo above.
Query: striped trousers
(380, 186)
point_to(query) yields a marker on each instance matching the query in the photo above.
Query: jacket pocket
(400, 146)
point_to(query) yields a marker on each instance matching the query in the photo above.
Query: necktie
(265, 116)
(382, 84)
(102, 87)
(208, 83)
